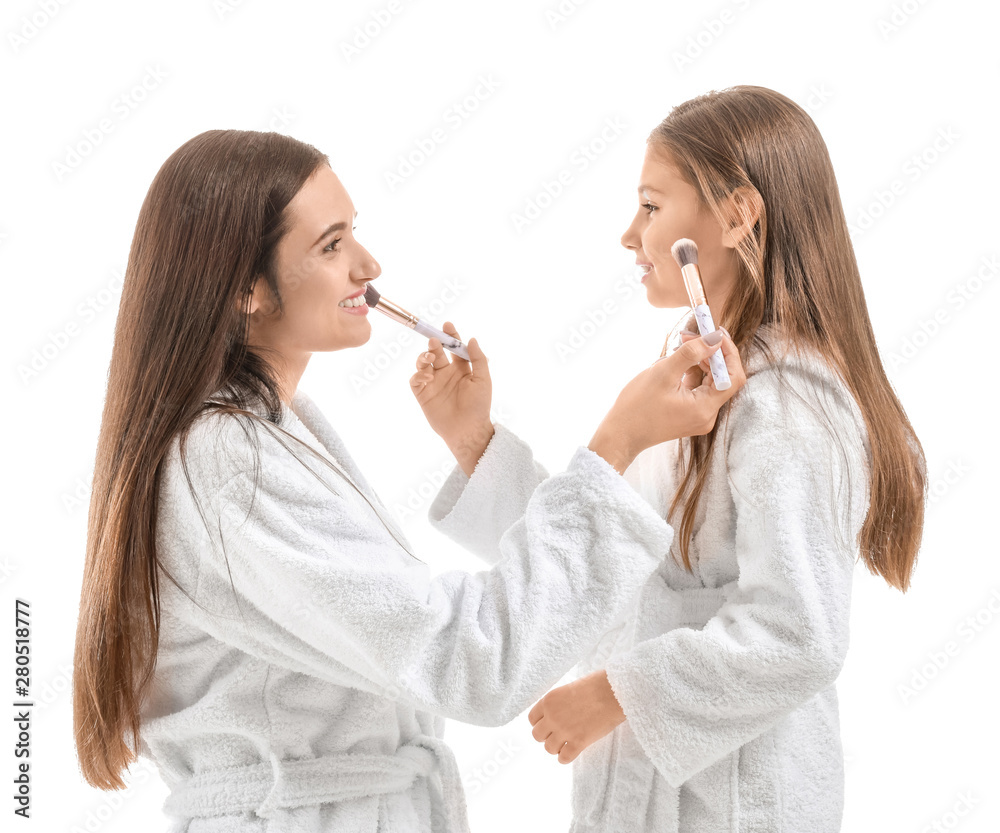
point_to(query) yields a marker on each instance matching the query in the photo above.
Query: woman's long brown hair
(209, 226)
(798, 272)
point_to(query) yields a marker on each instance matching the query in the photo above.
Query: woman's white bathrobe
(313, 698)
(726, 676)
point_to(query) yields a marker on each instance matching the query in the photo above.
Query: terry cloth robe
(304, 674)
(726, 676)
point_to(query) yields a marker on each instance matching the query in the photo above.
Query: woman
(294, 672)
(713, 705)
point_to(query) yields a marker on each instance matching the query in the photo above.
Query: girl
(294, 672)
(713, 704)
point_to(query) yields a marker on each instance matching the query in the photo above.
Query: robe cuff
(632, 691)
(476, 511)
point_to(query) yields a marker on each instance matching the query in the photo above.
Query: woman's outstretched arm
(475, 647)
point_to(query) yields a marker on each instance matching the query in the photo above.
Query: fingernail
(713, 338)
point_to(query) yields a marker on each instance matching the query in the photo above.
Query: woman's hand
(675, 397)
(455, 396)
(570, 718)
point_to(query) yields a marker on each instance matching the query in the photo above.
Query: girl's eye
(648, 207)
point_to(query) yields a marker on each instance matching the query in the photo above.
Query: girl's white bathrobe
(726, 676)
(304, 673)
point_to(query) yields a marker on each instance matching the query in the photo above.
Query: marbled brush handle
(716, 361)
(447, 342)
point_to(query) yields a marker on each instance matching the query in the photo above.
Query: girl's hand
(455, 396)
(696, 374)
(672, 398)
(570, 718)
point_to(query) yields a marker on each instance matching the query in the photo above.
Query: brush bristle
(685, 251)
(371, 295)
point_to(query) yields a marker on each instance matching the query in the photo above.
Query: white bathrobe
(726, 676)
(313, 698)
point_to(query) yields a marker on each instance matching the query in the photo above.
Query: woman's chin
(348, 341)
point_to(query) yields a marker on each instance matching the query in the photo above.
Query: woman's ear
(743, 210)
(253, 301)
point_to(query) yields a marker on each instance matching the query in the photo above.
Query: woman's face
(669, 209)
(319, 264)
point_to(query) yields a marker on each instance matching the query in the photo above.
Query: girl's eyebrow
(332, 228)
(649, 188)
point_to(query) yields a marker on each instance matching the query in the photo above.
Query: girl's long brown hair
(797, 272)
(209, 226)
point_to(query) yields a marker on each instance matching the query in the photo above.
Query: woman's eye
(332, 246)
(650, 208)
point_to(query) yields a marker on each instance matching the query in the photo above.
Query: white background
(882, 81)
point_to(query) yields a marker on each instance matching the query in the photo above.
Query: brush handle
(447, 342)
(716, 362)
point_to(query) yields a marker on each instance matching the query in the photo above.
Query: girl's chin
(664, 300)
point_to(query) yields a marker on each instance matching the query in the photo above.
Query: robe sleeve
(693, 696)
(475, 512)
(477, 647)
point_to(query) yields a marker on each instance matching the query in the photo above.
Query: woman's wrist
(471, 447)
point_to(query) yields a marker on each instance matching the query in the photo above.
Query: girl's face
(669, 209)
(319, 264)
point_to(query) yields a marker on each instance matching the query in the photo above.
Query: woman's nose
(367, 266)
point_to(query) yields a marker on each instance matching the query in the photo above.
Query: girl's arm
(692, 697)
(475, 647)
(476, 512)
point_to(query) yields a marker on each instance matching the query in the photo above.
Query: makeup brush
(685, 252)
(408, 319)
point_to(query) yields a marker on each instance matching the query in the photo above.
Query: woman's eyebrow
(332, 228)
